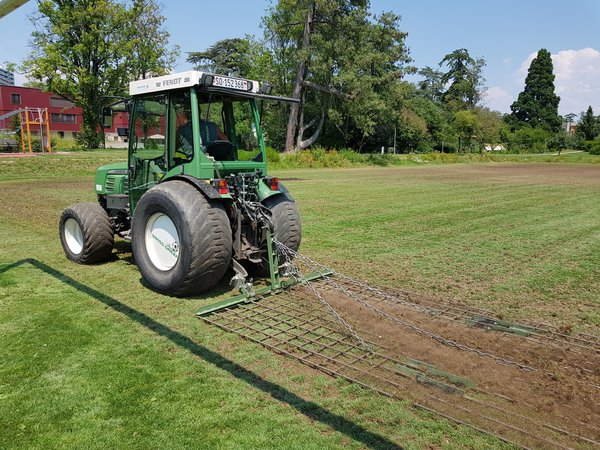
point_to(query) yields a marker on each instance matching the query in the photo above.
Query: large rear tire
(181, 242)
(86, 233)
(287, 229)
(286, 220)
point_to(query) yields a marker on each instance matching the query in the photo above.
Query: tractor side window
(246, 133)
(149, 128)
(147, 162)
(181, 121)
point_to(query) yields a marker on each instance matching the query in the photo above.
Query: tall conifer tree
(537, 105)
(588, 127)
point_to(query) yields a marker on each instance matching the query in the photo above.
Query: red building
(64, 117)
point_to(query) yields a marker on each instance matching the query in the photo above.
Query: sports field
(92, 358)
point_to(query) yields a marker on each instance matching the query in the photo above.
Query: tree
(489, 126)
(465, 123)
(342, 65)
(569, 118)
(588, 125)
(149, 54)
(84, 50)
(559, 141)
(464, 78)
(537, 105)
(15, 127)
(228, 56)
(372, 59)
(431, 86)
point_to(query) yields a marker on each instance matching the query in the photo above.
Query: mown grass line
(486, 244)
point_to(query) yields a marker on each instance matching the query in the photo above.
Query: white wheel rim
(73, 236)
(162, 241)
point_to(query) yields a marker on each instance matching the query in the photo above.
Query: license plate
(231, 83)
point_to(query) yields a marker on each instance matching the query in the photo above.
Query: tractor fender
(264, 192)
(285, 192)
(205, 188)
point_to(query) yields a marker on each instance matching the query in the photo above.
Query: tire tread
(97, 232)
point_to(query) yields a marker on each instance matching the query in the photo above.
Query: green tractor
(194, 198)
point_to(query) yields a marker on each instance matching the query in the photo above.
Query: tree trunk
(302, 144)
(292, 128)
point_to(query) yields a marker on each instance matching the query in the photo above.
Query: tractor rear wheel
(287, 229)
(86, 233)
(286, 220)
(181, 241)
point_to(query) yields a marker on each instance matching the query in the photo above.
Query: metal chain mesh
(294, 272)
(290, 254)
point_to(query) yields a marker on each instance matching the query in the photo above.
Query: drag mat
(528, 392)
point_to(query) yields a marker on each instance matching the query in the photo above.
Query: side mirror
(107, 117)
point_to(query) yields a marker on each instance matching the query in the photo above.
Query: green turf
(84, 163)
(91, 358)
(523, 245)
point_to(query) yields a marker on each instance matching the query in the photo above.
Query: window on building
(63, 118)
(15, 99)
(59, 102)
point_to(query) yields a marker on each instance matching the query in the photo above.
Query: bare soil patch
(16, 155)
(563, 388)
(533, 390)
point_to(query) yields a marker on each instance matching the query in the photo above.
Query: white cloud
(497, 99)
(577, 79)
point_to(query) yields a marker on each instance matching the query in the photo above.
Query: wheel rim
(73, 236)
(162, 241)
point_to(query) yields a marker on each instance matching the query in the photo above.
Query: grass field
(92, 358)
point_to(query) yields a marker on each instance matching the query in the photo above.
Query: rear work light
(273, 183)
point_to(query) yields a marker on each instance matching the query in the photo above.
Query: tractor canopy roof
(208, 82)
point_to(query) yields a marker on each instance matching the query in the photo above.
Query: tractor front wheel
(86, 233)
(181, 241)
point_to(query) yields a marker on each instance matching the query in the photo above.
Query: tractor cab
(195, 124)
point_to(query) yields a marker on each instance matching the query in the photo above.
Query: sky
(506, 33)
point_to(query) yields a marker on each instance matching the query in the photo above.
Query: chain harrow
(290, 255)
(293, 271)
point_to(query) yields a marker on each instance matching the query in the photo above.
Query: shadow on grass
(123, 253)
(307, 408)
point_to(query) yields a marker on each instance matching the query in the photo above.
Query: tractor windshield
(225, 120)
(227, 128)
